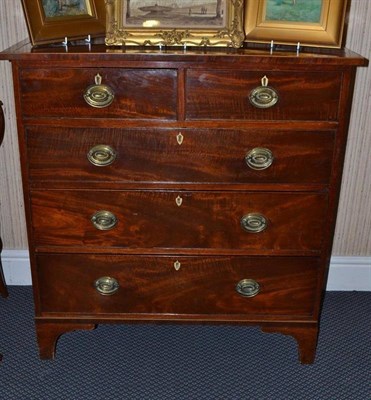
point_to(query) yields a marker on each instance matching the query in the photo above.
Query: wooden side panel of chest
(185, 198)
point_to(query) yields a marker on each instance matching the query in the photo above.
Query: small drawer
(182, 155)
(137, 93)
(258, 223)
(293, 95)
(183, 286)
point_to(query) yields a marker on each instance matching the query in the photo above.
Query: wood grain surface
(155, 155)
(354, 217)
(151, 285)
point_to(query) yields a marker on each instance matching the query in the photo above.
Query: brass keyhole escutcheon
(179, 201)
(177, 265)
(179, 138)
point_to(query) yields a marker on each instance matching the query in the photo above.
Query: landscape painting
(294, 10)
(64, 8)
(175, 13)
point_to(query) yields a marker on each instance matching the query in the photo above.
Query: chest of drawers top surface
(95, 52)
(191, 185)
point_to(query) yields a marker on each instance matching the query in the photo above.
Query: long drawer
(138, 93)
(258, 222)
(182, 155)
(298, 95)
(78, 284)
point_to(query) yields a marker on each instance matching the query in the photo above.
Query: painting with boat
(175, 13)
(64, 8)
(174, 23)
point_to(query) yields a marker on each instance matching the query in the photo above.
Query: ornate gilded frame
(231, 35)
(44, 29)
(327, 33)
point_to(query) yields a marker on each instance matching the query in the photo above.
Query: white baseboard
(16, 267)
(346, 273)
(350, 273)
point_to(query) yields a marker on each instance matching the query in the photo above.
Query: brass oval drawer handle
(263, 96)
(98, 95)
(101, 155)
(104, 220)
(248, 287)
(254, 222)
(259, 158)
(106, 285)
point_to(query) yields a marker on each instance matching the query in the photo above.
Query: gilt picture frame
(318, 23)
(175, 23)
(51, 21)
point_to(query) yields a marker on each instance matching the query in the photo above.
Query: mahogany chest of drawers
(181, 186)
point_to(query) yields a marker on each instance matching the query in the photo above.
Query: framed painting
(175, 22)
(50, 21)
(317, 23)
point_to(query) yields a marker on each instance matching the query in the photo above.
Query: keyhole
(179, 138)
(177, 265)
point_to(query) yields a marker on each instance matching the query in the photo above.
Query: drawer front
(167, 155)
(169, 219)
(138, 93)
(225, 95)
(152, 285)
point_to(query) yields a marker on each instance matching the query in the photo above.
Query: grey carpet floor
(179, 362)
